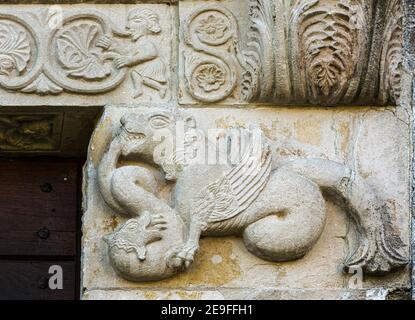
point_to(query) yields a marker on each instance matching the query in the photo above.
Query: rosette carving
(212, 64)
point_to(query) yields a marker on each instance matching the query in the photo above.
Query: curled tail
(380, 249)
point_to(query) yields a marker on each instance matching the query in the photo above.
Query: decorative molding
(15, 49)
(86, 1)
(297, 52)
(42, 86)
(259, 78)
(304, 52)
(85, 54)
(239, 198)
(328, 45)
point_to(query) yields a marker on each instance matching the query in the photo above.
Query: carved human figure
(279, 211)
(148, 68)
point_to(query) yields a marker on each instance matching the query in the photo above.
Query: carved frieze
(329, 44)
(307, 52)
(86, 51)
(297, 52)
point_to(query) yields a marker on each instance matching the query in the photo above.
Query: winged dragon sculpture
(279, 211)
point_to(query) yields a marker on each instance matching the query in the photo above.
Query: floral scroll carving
(18, 47)
(87, 54)
(212, 59)
(241, 198)
(15, 49)
(77, 53)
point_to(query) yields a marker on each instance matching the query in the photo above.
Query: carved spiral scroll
(212, 69)
(74, 56)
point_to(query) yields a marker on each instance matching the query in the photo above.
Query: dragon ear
(190, 122)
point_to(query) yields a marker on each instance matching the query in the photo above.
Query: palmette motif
(15, 49)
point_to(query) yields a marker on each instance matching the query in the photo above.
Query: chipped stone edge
(409, 51)
(250, 294)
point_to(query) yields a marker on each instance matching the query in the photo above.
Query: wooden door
(39, 228)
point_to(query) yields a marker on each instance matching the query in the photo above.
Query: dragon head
(151, 137)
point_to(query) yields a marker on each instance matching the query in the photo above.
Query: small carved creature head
(142, 22)
(134, 236)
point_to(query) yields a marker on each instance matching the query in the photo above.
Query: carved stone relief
(291, 198)
(30, 132)
(297, 52)
(318, 52)
(246, 196)
(87, 51)
(212, 61)
(392, 56)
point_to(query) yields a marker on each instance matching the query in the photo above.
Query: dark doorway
(40, 228)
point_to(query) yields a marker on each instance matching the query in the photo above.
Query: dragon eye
(159, 121)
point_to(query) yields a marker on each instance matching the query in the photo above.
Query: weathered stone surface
(363, 140)
(249, 294)
(86, 55)
(317, 208)
(322, 52)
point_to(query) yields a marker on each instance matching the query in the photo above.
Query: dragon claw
(182, 257)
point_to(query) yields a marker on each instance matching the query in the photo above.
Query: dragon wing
(237, 189)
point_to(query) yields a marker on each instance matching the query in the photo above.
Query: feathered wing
(237, 189)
